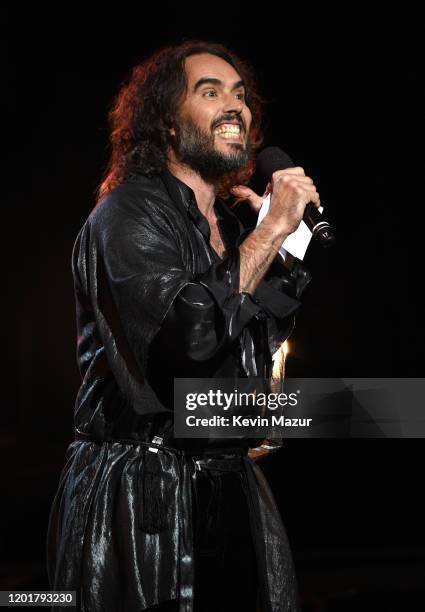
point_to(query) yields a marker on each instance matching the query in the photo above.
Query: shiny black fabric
(226, 567)
(154, 302)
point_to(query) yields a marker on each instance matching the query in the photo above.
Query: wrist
(277, 228)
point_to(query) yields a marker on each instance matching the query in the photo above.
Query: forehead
(206, 65)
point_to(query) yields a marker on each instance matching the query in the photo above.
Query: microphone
(272, 159)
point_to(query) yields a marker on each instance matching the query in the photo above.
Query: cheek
(248, 119)
(202, 119)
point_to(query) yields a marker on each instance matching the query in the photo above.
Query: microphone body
(318, 226)
(272, 159)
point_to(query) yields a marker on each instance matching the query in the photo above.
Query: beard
(195, 148)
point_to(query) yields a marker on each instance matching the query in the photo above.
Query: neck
(205, 193)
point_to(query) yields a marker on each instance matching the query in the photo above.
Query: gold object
(276, 385)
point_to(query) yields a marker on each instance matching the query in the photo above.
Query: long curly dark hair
(145, 107)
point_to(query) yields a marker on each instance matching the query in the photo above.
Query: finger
(309, 195)
(314, 197)
(296, 170)
(269, 189)
(309, 188)
(294, 178)
(303, 179)
(242, 191)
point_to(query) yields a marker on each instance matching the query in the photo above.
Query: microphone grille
(270, 160)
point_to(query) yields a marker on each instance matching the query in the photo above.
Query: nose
(232, 104)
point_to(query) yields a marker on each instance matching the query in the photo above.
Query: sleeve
(155, 294)
(209, 314)
(278, 294)
(140, 260)
(153, 291)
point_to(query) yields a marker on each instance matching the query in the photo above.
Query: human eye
(240, 95)
(209, 93)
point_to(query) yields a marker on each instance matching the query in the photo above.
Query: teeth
(230, 135)
(228, 129)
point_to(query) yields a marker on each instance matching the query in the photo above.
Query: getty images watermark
(308, 407)
(234, 408)
(248, 409)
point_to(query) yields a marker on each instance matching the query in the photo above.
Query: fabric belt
(203, 458)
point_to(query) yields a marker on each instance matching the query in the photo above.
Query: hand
(243, 192)
(258, 452)
(291, 191)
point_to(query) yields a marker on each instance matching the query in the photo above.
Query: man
(167, 285)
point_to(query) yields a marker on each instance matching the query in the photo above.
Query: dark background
(343, 92)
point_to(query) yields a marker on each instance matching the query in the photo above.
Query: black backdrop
(343, 91)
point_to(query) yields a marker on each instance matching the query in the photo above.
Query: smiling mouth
(228, 131)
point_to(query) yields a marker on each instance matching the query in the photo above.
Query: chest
(216, 239)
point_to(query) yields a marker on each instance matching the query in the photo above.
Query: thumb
(246, 193)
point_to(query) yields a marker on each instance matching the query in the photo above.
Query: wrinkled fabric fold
(110, 575)
(210, 313)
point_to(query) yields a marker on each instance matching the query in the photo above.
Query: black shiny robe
(153, 302)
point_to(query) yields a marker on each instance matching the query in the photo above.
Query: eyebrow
(212, 81)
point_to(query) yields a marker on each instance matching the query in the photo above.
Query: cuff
(222, 282)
